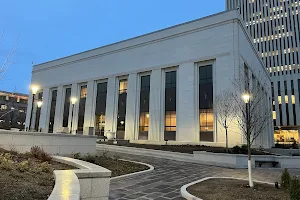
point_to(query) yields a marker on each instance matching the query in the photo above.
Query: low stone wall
(53, 143)
(208, 158)
(285, 152)
(91, 181)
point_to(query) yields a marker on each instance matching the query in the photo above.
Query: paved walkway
(168, 177)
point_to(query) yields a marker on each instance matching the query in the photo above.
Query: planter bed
(22, 180)
(190, 148)
(227, 189)
(117, 166)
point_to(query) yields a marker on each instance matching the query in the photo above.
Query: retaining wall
(208, 158)
(53, 143)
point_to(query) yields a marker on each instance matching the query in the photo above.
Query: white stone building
(146, 89)
(275, 28)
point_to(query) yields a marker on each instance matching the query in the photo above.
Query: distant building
(275, 29)
(155, 87)
(13, 107)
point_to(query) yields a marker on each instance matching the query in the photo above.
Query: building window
(274, 114)
(66, 107)
(100, 108)
(170, 121)
(123, 86)
(3, 107)
(81, 111)
(144, 122)
(205, 103)
(52, 111)
(144, 108)
(121, 123)
(170, 105)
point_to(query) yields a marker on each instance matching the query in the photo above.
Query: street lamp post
(34, 90)
(73, 101)
(39, 105)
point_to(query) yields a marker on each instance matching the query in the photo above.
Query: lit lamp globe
(39, 104)
(34, 89)
(73, 100)
(246, 98)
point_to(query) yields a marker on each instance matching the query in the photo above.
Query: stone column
(44, 117)
(89, 114)
(58, 111)
(186, 105)
(155, 120)
(131, 107)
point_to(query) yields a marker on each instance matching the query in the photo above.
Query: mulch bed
(190, 148)
(228, 189)
(113, 163)
(30, 184)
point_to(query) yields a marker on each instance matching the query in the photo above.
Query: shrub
(285, 179)
(76, 155)
(236, 149)
(89, 158)
(295, 188)
(40, 154)
(23, 166)
(35, 151)
(8, 156)
(45, 157)
(45, 167)
(6, 164)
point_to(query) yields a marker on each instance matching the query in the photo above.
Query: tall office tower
(274, 26)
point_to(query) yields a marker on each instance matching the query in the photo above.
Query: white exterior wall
(220, 40)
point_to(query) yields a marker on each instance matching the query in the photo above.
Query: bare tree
(9, 59)
(224, 110)
(253, 115)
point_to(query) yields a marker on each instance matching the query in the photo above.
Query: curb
(151, 168)
(185, 194)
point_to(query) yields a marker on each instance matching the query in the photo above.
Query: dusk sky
(52, 29)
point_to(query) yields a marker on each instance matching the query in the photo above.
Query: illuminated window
(293, 99)
(274, 114)
(83, 91)
(3, 107)
(123, 86)
(286, 99)
(206, 120)
(279, 100)
(144, 121)
(170, 121)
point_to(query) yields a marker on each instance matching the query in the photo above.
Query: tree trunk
(249, 164)
(226, 141)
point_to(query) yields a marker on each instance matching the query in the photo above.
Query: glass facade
(121, 122)
(100, 108)
(66, 107)
(144, 108)
(82, 101)
(206, 115)
(52, 110)
(170, 105)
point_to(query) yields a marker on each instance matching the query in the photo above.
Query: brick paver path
(168, 177)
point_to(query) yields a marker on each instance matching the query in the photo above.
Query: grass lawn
(190, 148)
(113, 163)
(228, 189)
(25, 177)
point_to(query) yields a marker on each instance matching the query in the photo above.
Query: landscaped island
(191, 148)
(117, 166)
(228, 189)
(27, 176)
